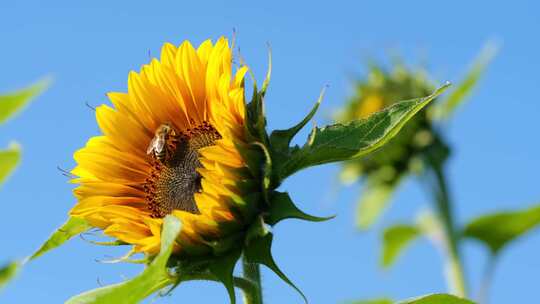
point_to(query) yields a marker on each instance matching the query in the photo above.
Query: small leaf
(282, 207)
(8, 272)
(395, 239)
(9, 159)
(153, 278)
(375, 197)
(281, 139)
(461, 91)
(258, 250)
(13, 103)
(373, 301)
(341, 142)
(72, 227)
(437, 299)
(498, 229)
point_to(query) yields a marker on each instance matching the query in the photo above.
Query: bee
(158, 146)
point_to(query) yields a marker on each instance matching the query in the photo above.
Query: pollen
(173, 181)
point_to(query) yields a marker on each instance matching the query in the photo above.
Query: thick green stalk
(454, 267)
(252, 273)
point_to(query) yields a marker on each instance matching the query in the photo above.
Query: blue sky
(89, 47)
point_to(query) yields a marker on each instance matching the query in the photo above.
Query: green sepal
(111, 243)
(72, 227)
(280, 140)
(11, 104)
(9, 159)
(255, 113)
(266, 169)
(253, 158)
(372, 301)
(256, 121)
(255, 118)
(126, 258)
(339, 142)
(258, 250)
(225, 244)
(223, 268)
(282, 207)
(246, 205)
(436, 299)
(8, 272)
(154, 277)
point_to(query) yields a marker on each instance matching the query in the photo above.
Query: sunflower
(171, 145)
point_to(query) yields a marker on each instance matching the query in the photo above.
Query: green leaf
(258, 250)
(395, 239)
(282, 207)
(223, 269)
(72, 227)
(153, 278)
(266, 81)
(281, 139)
(375, 197)
(9, 159)
(8, 272)
(13, 103)
(459, 94)
(355, 139)
(373, 301)
(498, 229)
(437, 299)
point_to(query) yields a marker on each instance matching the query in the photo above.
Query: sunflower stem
(252, 273)
(454, 267)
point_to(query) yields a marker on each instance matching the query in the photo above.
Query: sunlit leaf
(9, 158)
(72, 227)
(153, 278)
(463, 89)
(395, 239)
(11, 104)
(498, 229)
(373, 301)
(341, 142)
(8, 272)
(437, 299)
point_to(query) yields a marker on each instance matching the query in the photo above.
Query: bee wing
(151, 146)
(159, 143)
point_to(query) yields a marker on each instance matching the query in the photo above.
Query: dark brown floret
(174, 181)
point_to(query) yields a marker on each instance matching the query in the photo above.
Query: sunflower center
(174, 179)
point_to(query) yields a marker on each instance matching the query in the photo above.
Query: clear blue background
(89, 47)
